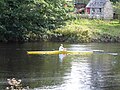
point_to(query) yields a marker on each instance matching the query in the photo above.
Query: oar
(102, 52)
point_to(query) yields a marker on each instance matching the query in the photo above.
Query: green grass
(84, 30)
(101, 26)
(106, 27)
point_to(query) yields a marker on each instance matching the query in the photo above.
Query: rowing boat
(60, 52)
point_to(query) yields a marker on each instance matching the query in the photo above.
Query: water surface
(99, 71)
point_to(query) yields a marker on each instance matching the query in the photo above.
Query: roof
(96, 3)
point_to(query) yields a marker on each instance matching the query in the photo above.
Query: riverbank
(73, 31)
(86, 30)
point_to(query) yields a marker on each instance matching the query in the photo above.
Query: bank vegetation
(87, 30)
(50, 20)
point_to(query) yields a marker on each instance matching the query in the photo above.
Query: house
(100, 9)
(80, 5)
(70, 1)
(81, 1)
(80, 8)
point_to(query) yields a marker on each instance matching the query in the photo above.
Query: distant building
(79, 8)
(70, 1)
(80, 5)
(81, 1)
(100, 9)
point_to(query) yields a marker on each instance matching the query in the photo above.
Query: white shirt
(61, 48)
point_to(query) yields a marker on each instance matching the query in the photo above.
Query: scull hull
(60, 52)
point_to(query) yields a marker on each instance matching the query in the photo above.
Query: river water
(99, 71)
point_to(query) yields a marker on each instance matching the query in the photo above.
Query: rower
(61, 48)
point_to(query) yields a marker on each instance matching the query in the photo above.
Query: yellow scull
(60, 52)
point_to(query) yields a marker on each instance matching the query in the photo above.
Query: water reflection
(45, 72)
(79, 77)
(61, 57)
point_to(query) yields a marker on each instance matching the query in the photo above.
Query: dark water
(99, 71)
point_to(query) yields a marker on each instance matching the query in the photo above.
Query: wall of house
(95, 12)
(108, 10)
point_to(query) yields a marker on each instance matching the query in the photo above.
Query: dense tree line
(23, 20)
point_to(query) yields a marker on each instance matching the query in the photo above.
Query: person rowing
(61, 56)
(61, 48)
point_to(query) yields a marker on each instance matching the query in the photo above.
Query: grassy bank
(86, 30)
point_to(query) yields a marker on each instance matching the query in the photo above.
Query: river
(99, 71)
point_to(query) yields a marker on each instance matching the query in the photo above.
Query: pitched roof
(96, 3)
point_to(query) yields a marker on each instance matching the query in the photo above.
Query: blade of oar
(102, 52)
(98, 50)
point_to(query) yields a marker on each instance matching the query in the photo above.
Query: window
(100, 9)
(93, 10)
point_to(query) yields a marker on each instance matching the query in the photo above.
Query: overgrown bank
(44, 20)
(85, 30)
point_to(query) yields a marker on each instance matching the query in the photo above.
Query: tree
(114, 1)
(117, 9)
(21, 18)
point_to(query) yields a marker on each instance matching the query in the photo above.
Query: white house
(99, 9)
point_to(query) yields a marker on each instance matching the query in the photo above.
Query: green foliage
(21, 19)
(72, 32)
(73, 36)
(33, 20)
(117, 9)
(114, 1)
(85, 30)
